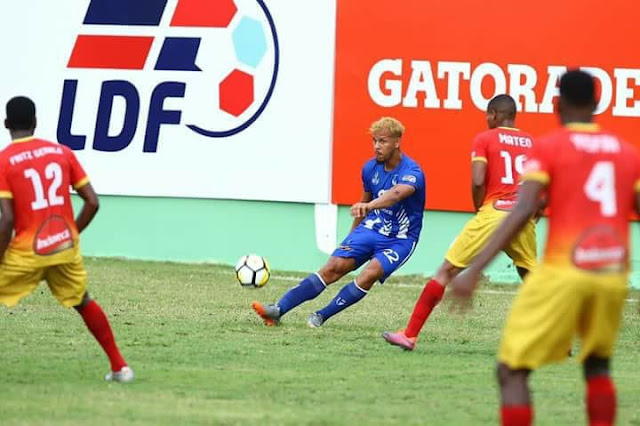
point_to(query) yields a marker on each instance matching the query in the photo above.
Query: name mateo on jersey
(512, 140)
(389, 87)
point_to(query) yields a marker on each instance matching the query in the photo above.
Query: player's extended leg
(309, 288)
(429, 299)
(464, 248)
(98, 324)
(600, 395)
(67, 282)
(515, 399)
(523, 250)
(350, 294)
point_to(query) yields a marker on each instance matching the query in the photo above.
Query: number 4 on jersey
(53, 172)
(601, 187)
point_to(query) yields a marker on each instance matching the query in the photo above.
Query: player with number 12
(35, 177)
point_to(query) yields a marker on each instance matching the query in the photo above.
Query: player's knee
(84, 302)
(595, 366)
(446, 273)
(507, 375)
(365, 282)
(502, 373)
(335, 269)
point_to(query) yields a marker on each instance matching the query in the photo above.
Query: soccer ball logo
(252, 271)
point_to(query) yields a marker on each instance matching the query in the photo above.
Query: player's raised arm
(89, 208)
(6, 224)
(396, 194)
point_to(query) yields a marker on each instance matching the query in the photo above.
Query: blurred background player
(497, 159)
(592, 178)
(35, 176)
(386, 227)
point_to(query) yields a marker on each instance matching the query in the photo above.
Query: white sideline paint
(408, 285)
(326, 220)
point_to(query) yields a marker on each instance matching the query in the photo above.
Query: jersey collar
(508, 128)
(25, 139)
(582, 127)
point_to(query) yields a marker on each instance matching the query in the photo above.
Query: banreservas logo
(214, 61)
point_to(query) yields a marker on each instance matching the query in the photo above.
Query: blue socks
(309, 288)
(347, 296)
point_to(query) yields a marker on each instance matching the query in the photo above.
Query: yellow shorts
(552, 306)
(477, 232)
(19, 278)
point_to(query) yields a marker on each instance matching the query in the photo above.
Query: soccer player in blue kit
(386, 227)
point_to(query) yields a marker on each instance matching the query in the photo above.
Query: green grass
(202, 357)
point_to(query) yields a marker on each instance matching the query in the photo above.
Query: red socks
(429, 298)
(98, 325)
(516, 415)
(601, 401)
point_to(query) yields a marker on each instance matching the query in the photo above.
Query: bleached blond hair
(390, 124)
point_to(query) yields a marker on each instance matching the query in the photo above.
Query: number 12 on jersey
(52, 172)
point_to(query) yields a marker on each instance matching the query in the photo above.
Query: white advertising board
(181, 98)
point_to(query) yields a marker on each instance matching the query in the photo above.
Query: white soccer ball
(253, 271)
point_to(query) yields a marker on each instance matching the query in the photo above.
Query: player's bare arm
(478, 187)
(397, 193)
(89, 208)
(542, 206)
(366, 197)
(528, 201)
(6, 224)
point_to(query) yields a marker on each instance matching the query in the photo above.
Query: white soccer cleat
(125, 375)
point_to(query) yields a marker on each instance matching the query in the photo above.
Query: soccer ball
(252, 271)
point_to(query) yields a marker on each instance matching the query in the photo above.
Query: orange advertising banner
(434, 65)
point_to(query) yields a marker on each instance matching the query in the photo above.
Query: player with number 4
(592, 178)
(497, 160)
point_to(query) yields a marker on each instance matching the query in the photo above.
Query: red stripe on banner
(117, 52)
(203, 13)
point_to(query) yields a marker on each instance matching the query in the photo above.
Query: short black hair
(21, 113)
(503, 104)
(578, 88)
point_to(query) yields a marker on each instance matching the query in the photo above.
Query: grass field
(202, 357)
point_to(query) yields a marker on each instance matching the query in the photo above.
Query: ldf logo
(220, 55)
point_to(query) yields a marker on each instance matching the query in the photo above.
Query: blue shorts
(364, 244)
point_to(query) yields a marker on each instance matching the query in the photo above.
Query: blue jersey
(403, 219)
